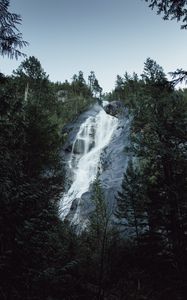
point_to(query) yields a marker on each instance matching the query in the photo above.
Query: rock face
(114, 108)
(112, 165)
(114, 162)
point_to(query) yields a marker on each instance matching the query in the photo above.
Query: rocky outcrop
(114, 161)
(114, 108)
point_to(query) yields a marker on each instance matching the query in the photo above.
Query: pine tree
(130, 200)
(159, 143)
(10, 37)
(96, 243)
(171, 9)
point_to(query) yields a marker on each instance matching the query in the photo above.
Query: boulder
(114, 108)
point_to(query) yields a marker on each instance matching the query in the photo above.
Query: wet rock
(68, 148)
(78, 147)
(113, 163)
(114, 108)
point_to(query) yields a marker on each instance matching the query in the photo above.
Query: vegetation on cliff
(41, 257)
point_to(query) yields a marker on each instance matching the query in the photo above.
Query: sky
(108, 37)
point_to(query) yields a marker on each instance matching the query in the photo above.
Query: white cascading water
(93, 136)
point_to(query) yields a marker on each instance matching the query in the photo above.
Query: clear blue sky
(106, 36)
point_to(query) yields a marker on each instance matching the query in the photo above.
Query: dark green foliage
(41, 258)
(31, 69)
(174, 10)
(131, 201)
(94, 85)
(79, 87)
(40, 143)
(171, 9)
(97, 247)
(153, 74)
(35, 257)
(158, 141)
(73, 97)
(35, 262)
(10, 36)
(39, 255)
(127, 89)
(98, 231)
(179, 76)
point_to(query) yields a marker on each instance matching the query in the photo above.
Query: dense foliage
(37, 252)
(41, 257)
(171, 9)
(10, 37)
(153, 196)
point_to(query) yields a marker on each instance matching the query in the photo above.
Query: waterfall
(93, 136)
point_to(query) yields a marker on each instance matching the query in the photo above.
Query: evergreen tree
(131, 202)
(96, 245)
(160, 145)
(171, 9)
(43, 123)
(94, 85)
(99, 229)
(10, 37)
(31, 68)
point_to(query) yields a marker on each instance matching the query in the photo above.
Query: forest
(43, 257)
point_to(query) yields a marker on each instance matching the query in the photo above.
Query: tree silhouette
(10, 37)
(171, 9)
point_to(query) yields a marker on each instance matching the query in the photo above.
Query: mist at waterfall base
(95, 137)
